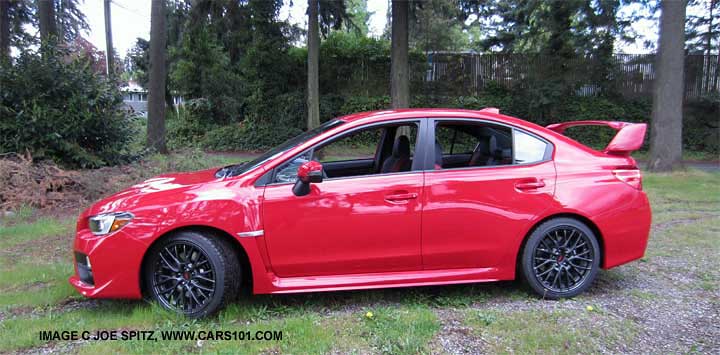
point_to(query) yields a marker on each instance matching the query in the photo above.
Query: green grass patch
(20, 214)
(23, 332)
(557, 332)
(23, 232)
(681, 188)
(26, 285)
(406, 330)
(692, 237)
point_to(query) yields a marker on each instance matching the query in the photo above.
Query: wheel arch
(245, 265)
(587, 221)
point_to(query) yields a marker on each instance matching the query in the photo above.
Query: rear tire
(560, 259)
(192, 273)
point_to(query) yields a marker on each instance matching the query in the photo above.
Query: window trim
(269, 176)
(430, 136)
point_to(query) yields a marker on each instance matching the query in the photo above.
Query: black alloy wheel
(561, 258)
(192, 274)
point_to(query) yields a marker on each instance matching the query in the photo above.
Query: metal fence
(631, 74)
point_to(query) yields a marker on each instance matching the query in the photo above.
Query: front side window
(237, 169)
(375, 150)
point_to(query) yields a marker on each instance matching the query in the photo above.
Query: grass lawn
(667, 302)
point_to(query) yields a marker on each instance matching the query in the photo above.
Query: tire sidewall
(529, 251)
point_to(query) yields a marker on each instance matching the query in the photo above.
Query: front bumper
(114, 263)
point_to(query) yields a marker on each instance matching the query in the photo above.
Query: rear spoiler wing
(629, 136)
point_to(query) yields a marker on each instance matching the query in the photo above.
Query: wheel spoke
(173, 255)
(192, 294)
(169, 289)
(545, 272)
(544, 263)
(581, 254)
(204, 278)
(202, 287)
(579, 267)
(167, 263)
(557, 274)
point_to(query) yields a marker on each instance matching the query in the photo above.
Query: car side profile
(378, 199)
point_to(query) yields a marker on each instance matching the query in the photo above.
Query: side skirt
(385, 280)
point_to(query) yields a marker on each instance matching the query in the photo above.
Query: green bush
(54, 106)
(187, 127)
(701, 124)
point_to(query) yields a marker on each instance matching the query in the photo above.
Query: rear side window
(527, 148)
(469, 144)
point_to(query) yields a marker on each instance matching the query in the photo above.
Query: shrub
(187, 127)
(701, 124)
(56, 107)
(285, 117)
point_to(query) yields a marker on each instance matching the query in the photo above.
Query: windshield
(234, 170)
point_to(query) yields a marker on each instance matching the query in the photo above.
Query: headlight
(108, 222)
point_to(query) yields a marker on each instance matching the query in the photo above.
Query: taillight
(632, 177)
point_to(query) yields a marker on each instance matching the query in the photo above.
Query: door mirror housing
(309, 172)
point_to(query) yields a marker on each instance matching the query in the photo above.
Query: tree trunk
(709, 82)
(156, 84)
(716, 78)
(666, 132)
(399, 82)
(46, 19)
(313, 38)
(109, 57)
(4, 31)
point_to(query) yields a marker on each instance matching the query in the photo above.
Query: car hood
(140, 195)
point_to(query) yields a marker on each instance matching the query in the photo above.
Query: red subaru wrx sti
(380, 199)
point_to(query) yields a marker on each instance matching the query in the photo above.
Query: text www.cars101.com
(163, 335)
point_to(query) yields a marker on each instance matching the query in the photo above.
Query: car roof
(490, 114)
(487, 114)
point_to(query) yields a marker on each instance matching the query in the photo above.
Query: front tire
(192, 274)
(561, 258)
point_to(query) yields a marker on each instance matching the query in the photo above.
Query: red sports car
(380, 199)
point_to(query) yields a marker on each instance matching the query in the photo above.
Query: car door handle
(529, 185)
(401, 197)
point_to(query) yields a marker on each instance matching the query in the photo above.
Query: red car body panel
(422, 227)
(477, 217)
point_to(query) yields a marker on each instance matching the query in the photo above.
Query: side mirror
(308, 172)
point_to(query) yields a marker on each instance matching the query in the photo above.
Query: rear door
(474, 214)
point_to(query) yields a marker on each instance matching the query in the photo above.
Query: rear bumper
(626, 231)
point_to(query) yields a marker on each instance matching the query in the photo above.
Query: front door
(355, 221)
